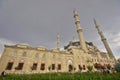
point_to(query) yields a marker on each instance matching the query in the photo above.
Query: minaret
(58, 41)
(104, 40)
(80, 32)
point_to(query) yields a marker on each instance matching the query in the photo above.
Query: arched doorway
(70, 65)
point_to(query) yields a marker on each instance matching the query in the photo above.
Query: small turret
(58, 41)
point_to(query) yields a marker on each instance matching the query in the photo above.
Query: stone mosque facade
(77, 55)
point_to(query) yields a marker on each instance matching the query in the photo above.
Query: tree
(117, 67)
(108, 66)
(103, 67)
(97, 66)
(49, 68)
(90, 68)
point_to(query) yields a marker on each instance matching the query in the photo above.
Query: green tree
(90, 68)
(117, 67)
(97, 66)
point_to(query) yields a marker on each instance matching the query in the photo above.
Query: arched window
(53, 56)
(20, 66)
(43, 56)
(9, 66)
(84, 67)
(14, 53)
(59, 66)
(53, 66)
(24, 54)
(36, 55)
(42, 66)
(34, 67)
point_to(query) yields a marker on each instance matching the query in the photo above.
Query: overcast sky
(37, 22)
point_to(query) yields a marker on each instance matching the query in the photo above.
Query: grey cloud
(37, 22)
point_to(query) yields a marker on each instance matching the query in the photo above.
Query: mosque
(76, 56)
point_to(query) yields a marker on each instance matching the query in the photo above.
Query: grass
(63, 76)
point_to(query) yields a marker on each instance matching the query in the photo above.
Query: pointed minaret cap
(95, 22)
(75, 12)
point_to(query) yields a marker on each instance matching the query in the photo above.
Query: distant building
(78, 54)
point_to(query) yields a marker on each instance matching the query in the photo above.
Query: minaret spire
(58, 41)
(79, 31)
(104, 40)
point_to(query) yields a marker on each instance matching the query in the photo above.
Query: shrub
(103, 67)
(109, 66)
(97, 66)
(90, 68)
(117, 67)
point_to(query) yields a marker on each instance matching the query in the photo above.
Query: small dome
(41, 48)
(23, 45)
(75, 40)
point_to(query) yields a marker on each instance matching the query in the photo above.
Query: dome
(23, 45)
(40, 48)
